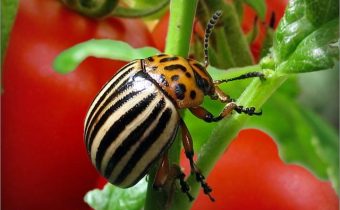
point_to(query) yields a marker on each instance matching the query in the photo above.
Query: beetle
(134, 119)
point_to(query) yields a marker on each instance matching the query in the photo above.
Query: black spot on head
(161, 55)
(150, 59)
(163, 60)
(202, 83)
(175, 67)
(175, 77)
(180, 91)
(188, 74)
(192, 94)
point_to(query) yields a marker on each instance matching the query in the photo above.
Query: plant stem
(182, 13)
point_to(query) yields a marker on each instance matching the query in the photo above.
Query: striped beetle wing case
(129, 125)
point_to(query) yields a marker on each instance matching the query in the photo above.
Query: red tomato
(273, 6)
(44, 161)
(160, 31)
(250, 175)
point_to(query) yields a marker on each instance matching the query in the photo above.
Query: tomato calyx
(92, 8)
(107, 8)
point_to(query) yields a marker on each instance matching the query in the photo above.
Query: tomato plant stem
(182, 13)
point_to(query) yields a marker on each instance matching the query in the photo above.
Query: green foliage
(317, 51)
(304, 40)
(8, 12)
(115, 198)
(68, 60)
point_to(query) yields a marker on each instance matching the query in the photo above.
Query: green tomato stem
(182, 13)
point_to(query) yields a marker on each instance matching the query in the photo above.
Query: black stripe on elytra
(161, 55)
(146, 76)
(175, 67)
(133, 138)
(90, 135)
(163, 60)
(113, 85)
(161, 152)
(145, 145)
(119, 125)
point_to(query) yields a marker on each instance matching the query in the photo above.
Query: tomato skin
(159, 32)
(44, 161)
(250, 175)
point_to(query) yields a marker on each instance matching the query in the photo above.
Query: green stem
(255, 95)
(182, 13)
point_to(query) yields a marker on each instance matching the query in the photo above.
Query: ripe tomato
(44, 161)
(159, 32)
(250, 175)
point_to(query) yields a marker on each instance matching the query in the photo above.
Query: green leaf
(68, 60)
(8, 12)
(114, 198)
(317, 51)
(292, 29)
(259, 6)
(304, 40)
(319, 12)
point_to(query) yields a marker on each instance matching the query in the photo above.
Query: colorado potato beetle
(134, 119)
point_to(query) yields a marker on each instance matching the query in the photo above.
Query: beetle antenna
(210, 25)
(243, 76)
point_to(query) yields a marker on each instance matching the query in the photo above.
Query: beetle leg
(205, 115)
(189, 152)
(162, 173)
(220, 95)
(166, 175)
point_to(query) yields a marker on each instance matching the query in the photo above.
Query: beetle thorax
(184, 80)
